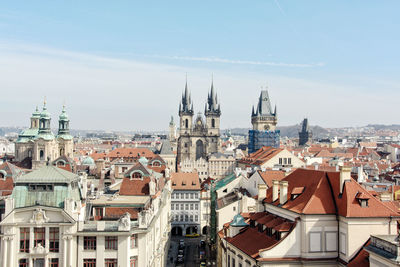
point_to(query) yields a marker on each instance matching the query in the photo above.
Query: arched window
(30, 153)
(186, 123)
(41, 153)
(156, 164)
(60, 163)
(1, 175)
(213, 123)
(137, 175)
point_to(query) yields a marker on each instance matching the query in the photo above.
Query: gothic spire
(186, 105)
(212, 105)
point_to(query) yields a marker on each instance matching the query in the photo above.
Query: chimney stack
(262, 192)
(345, 175)
(275, 190)
(284, 191)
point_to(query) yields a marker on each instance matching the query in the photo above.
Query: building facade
(264, 121)
(185, 204)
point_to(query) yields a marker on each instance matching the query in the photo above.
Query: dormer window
(156, 164)
(137, 175)
(297, 191)
(362, 199)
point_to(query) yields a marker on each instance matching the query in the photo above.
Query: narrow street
(191, 252)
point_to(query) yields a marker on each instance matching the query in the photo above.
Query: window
(133, 262)
(133, 241)
(110, 262)
(191, 206)
(137, 175)
(233, 262)
(196, 206)
(172, 206)
(187, 206)
(187, 195)
(176, 217)
(89, 243)
(186, 218)
(39, 235)
(289, 161)
(53, 262)
(182, 195)
(182, 207)
(173, 196)
(89, 262)
(186, 123)
(54, 239)
(41, 155)
(23, 263)
(181, 218)
(24, 239)
(280, 161)
(213, 123)
(285, 161)
(191, 195)
(196, 218)
(229, 261)
(111, 242)
(191, 218)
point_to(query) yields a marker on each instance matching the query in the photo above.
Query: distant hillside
(393, 127)
(286, 131)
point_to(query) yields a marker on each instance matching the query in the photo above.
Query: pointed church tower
(35, 119)
(186, 112)
(172, 130)
(264, 121)
(212, 113)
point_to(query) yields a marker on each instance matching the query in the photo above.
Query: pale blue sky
(121, 65)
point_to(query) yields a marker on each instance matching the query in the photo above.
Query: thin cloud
(243, 62)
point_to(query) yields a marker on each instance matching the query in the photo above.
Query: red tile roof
(131, 153)
(117, 212)
(261, 156)
(270, 175)
(135, 187)
(321, 196)
(185, 181)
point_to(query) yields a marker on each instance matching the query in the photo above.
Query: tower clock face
(266, 127)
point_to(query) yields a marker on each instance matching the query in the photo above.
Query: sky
(122, 65)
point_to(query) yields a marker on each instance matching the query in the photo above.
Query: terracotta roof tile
(185, 181)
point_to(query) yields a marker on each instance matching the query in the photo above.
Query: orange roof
(185, 181)
(261, 156)
(270, 175)
(321, 196)
(131, 153)
(135, 187)
(117, 212)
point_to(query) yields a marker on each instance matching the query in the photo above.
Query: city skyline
(132, 78)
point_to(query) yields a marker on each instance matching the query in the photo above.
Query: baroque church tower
(201, 137)
(37, 145)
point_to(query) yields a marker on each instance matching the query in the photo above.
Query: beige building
(37, 145)
(49, 222)
(271, 158)
(308, 218)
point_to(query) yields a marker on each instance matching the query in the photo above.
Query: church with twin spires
(201, 136)
(37, 145)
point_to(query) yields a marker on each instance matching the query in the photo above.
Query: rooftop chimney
(275, 190)
(284, 191)
(262, 192)
(345, 175)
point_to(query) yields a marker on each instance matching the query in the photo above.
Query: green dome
(36, 114)
(63, 115)
(143, 161)
(88, 161)
(238, 221)
(45, 114)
